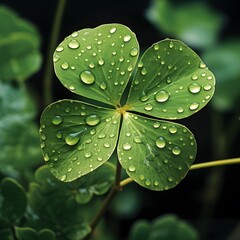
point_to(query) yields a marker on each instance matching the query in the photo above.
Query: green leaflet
(77, 138)
(156, 154)
(97, 63)
(170, 82)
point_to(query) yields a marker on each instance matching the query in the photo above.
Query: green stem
(48, 71)
(116, 188)
(197, 166)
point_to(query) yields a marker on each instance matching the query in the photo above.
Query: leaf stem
(48, 71)
(216, 163)
(116, 188)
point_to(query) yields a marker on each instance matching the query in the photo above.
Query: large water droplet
(193, 106)
(162, 96)
(176, 150)
(92, 120)
(57, 120)
(73, 44)
(161, 142)
(194, 87)
(72, 138)
(87, 77)
(127, 146)
(127, 38)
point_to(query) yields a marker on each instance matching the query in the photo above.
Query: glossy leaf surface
(77, 138)
(97, 63)
(171, 82)
(156, 154)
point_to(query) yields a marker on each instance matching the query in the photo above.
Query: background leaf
(171, 82)
(156, 154)
(77, 138)
(97, 63)
(19, 46)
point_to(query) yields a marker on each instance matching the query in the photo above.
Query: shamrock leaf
(170, 82)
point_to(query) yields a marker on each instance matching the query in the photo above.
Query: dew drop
(144, 71)
(170, 179)
(59, 48)
(55, 58)
(134, 52)
(99, 159)
(207, 87)
(101, 135)
(92, 120)
(156, 46)
(88, 154)
(127, 146)
(46, 157)
(180, 110)
(63, 178)
(172, 129)
(202, 65)
(143, 97)
(155, 183)
(148, 182)
(148, 107)
(103, 85)
(194, 87)
(113, 30)
(194, 77)
(73, 44)
(169, 80)
(162, 96)
(161, 142)
(91, 65)
(171, 45)
(71, 87)
(193, 106)
(131, 168)
(127, 38)
(101, 61)
(107, 145)
(65, 65)
(72, 138)
(74, 34)
(137, 139)
(57, 120)
(59, 135)
(87, 77)
(156, 125)
(176, 150)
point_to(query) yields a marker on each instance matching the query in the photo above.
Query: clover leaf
(170, 82)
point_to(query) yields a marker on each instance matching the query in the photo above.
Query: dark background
(189, 200)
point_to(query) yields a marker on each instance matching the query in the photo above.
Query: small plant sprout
(169, 82)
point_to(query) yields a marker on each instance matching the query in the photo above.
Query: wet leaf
(156, 154)
(97, 63)
(77, 138)
(171, 82)
(12, 208)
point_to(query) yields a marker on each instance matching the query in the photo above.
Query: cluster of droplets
(160, 88)
(172, 149)
(100, 56)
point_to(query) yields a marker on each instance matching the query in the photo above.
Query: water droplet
(101, 135)
(148, 182)
(91, 65)
(92, 120)
(137, 139)
(101, 61)
(161, 142)
(134, 52)
(209, 78)
(56, 58)
(107, 145)
(171, 45)
(156, 125)
(170, 179)
(42, 145)
(193, 106)
(176, 150)
(71, 87)
(180, 110)
(46, 157)
(74, 34)
(99, 159)
(73, 44)
(59, 135)
(143, 97)
(65, 65)
(88, 154)
(59, 48)
(113, 30)
(57, 120)
(194, 77)
(127, 146)
(63, 178)
(172, 129)
(162, 96)
(131, 168)
(72, 138)
(127, 38)
(103, 85)
(144, 71)
(202, 65)
(156, 46)
(87, 77)
(155, 183)
(169, 80)
(148, 107)
(207, 87)
(194, 87)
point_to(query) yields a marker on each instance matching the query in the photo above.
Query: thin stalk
(48, 71)
(116, 188)
(216, 163)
